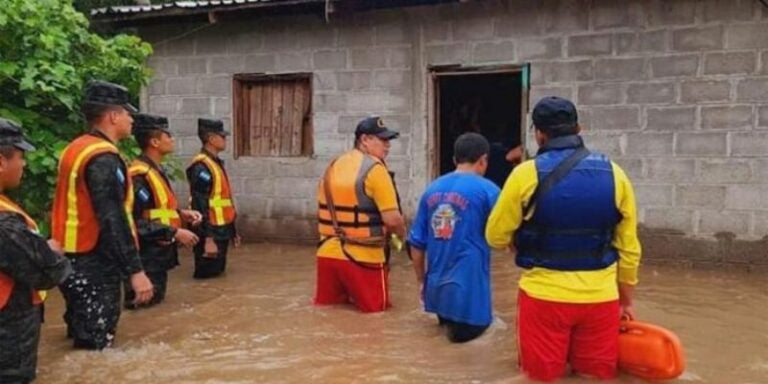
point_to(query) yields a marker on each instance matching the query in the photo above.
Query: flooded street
(257, 325)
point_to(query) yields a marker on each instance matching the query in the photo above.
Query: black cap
(99, 92)
(144, 123)
(211, 126)
(553, 112)
(374, 125)
(11, 134)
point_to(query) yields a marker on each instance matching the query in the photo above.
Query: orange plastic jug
(650, 351)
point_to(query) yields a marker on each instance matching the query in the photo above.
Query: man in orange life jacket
(358, 210)
(27, 264)
(155, 209)
(211, 195)
(570, 214)
(92, 220)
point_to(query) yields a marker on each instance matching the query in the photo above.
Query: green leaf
(47, 55)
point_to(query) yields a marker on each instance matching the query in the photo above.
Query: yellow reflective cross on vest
(165, 204)
(221, 208)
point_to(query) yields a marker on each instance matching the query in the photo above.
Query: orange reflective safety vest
(6, 283)
(221, 207)
(357, 216)
(166, 206)
(74, 222)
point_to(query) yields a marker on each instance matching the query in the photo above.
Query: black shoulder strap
(555, 176)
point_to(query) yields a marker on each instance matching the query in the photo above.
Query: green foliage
(47, 55)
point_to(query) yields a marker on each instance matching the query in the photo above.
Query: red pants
(342, 281)
(551, 334)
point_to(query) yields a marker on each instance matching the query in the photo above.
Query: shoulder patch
(120, 176)
(143, 195)
(204, 175)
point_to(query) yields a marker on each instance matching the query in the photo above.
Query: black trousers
(159, 281)
(92, 297)
(461, 332)
(19, 337)
(207, 267)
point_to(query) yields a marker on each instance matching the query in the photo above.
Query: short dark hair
(93, 112)
(8, 151)
(204, 136)
(470, 147)
(559, 130)
(143, 139)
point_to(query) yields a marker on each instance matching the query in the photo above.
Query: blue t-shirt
(450, 227)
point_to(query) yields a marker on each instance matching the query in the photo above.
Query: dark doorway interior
(486, 103)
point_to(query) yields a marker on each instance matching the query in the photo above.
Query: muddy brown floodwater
(257, 325)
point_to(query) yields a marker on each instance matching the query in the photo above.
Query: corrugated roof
(187, 7)
(129, 14)
(181, 5)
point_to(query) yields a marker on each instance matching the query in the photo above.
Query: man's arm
(200, 184)
(418, 237)
(625, 240)
(507, 214)
(27, 258)
(394, 222)
(105, 177)
(379, 186)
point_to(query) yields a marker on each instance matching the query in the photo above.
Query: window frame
(241, 131)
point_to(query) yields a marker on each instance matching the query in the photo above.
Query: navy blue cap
(98, 92)
(374, 125)
(144, 123)
(11, 134)
(216, 126)
(554, 112)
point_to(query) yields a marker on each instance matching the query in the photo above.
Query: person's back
(571, 215)
(449, 228)
(358, 210)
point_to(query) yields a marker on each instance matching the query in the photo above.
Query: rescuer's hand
(143, 288)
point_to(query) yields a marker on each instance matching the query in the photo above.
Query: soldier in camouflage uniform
(28, 264)
(93, 222)
(155, 208)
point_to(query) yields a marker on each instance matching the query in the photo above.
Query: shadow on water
(257, 325)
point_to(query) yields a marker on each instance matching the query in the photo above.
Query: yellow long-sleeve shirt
(568, 286)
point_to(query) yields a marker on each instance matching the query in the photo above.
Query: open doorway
(492, 101)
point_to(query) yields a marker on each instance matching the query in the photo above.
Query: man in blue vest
(570, 214)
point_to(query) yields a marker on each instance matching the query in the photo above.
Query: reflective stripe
(158, 189)
(166, 216)
(220, 203)
(70, 231)
(74, 223)
(129, 212)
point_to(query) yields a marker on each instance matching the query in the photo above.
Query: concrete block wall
(358, 69)
(675, 91)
